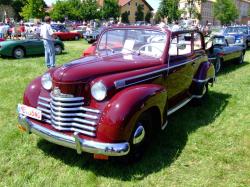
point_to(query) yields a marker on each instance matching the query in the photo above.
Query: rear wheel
(217, 65)
(18, 53)
(77, 37)
(199, 99)
(241, 58)
(58, 49)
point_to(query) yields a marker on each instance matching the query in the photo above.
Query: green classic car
(21, 48)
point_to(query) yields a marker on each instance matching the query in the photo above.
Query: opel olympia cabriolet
(110, 103)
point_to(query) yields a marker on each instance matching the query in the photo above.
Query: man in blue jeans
(47, 35)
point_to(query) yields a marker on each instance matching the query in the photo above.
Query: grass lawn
(208, 145)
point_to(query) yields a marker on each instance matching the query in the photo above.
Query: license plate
(29, 111)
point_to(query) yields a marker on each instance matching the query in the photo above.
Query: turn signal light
(21, 128)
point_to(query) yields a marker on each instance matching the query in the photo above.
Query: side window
(181, 45)
(197, 41)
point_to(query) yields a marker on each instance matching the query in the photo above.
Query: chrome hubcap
(139, 135)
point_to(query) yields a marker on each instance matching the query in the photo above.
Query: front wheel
(140, 137)
(18, 53)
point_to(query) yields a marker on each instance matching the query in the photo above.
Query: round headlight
(46, 81)
(99, 91)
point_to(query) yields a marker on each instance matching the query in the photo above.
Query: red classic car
(90, 50)
(66, 35)
(109, 104)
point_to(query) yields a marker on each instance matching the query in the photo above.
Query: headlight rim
(46, 77)
(96, 84)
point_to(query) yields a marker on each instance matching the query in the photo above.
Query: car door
(180, 73)
(34, 46)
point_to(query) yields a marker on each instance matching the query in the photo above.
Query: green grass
(208, 145)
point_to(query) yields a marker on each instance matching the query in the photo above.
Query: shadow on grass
(231, 66)
(30, 56)
(163, 151)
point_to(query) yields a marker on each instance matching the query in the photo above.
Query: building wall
(131, 7)
(206, 10)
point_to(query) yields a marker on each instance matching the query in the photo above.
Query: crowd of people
(18, 31)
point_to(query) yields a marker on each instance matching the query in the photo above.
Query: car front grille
(69, 114)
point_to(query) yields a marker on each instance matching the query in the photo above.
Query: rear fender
(205, 74)
(121, 113)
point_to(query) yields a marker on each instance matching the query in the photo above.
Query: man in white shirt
(47, 35)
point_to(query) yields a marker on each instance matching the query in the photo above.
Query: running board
(182, 104)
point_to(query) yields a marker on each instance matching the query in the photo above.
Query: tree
(148, 16)
(139, 15)
(125, 16)
(5, 2)
(17, 6)
(60, 10)
(169, 9)
(228, 16)
(90, 10)
(33, 9)
(192, 9)
(110, 9)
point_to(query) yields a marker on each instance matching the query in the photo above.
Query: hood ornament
(57, 93)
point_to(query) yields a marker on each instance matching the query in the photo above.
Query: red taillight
(221, 54)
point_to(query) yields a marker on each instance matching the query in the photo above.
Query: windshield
(219, 41)
(140, 41)
(237, 30)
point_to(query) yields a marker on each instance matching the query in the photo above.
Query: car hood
(88, 68)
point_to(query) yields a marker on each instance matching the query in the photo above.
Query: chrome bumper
(74, 142)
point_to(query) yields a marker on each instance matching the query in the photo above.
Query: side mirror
(181, 46)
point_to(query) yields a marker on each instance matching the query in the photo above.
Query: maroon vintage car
(110, 103)
(66, 35)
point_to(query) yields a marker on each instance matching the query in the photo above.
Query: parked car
(58, 27)
(110, 104)
(90, 50)
(80, 29)
(2, 39)
(91, 37)
(66, 35)
(27, 47)
(222, 52)
(240, 38)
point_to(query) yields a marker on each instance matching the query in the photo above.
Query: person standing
(47, 35)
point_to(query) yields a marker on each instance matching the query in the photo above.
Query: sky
(153, 3)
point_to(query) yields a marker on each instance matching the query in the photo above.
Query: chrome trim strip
(93, 123)
(174, 109)
(74, 109)
(46, 115)
(66, 104)
(66, 99)
(43, 110)
(74, 114)
(73, 124)
(122, 82)
(201, 81)
(43, 104)
(44, 98)
(83, 145)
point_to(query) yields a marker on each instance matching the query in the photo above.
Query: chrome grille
(69, 114)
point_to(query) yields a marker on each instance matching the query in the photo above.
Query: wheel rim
(241, 58)
(19, 53)
(217, 65)
(139, 135)
(58, 50)
(76, 38)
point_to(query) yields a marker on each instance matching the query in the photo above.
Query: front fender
(121, 113)
(32, 92)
